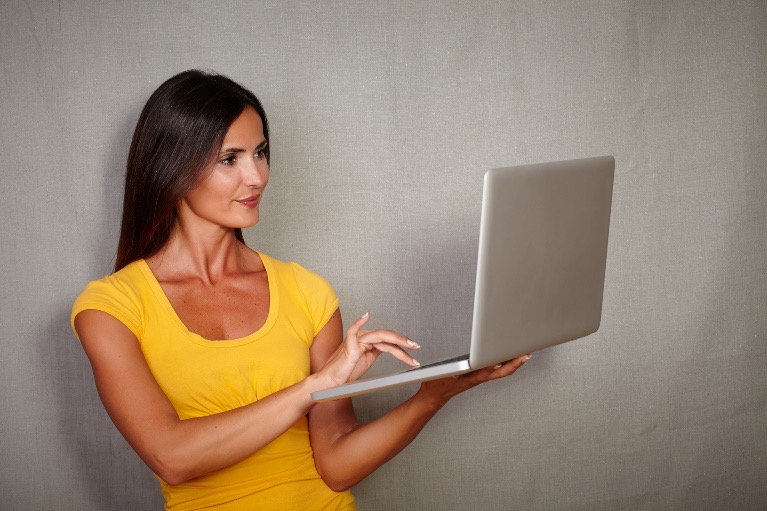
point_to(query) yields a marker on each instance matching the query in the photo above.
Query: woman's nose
(256, 173)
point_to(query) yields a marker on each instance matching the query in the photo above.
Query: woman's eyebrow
(259, 147)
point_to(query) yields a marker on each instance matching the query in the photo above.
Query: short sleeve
(321, 300)
(106, 296)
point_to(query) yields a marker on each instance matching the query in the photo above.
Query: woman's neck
(206, 256)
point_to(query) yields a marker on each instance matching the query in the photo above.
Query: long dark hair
(181, 128)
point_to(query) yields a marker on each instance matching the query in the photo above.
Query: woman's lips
(250, 202)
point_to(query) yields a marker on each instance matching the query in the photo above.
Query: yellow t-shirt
(202, 377)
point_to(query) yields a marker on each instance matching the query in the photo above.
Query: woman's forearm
(357, 453)
(185, 449)
(349, 457)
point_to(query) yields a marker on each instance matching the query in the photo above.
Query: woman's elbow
(171, 469)
(172, 477)
(337, 485)
(335, 480)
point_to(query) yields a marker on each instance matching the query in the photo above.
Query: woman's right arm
(179, 450)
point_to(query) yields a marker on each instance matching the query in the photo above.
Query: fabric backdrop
(384, 117)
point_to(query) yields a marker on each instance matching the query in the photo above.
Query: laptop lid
(542, 255)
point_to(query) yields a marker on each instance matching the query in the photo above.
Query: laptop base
(372, 384)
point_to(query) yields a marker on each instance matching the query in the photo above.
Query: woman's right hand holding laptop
(440, 391)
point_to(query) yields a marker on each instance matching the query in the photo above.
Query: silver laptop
(540, 269)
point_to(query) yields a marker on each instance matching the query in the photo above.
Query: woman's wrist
(429, 401)
(315, 382)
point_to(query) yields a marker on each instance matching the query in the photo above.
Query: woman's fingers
(375, 337)
(508, 368)
(354, 330)
(383, 340)
(445, 388)
(495, 372)
(398, 353)
(361, 344)
(500, 370)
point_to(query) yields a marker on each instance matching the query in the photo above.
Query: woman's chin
(245, 223)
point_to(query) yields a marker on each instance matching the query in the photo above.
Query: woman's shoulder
(119, 294)
(315, 295)
(127, 280)
(303, 276)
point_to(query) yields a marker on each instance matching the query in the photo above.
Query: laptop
(540, 268)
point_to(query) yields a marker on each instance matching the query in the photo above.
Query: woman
(205, 352)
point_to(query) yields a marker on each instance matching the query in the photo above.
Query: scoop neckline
(271, 317)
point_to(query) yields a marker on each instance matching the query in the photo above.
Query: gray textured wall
(385, 115)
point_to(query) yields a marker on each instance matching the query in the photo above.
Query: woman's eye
(261, 154)
(228, 161)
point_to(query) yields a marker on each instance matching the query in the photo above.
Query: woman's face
(230, 190)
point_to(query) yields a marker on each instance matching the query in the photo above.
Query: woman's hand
(360, 349)
(442, 390)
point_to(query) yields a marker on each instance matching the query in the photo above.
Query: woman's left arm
(345, 451)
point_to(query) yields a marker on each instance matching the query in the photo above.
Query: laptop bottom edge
(367, 385)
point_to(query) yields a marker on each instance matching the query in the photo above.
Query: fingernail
(527, 357)
(498, 366)
(366, 315)
(416, 362)
(413, 344)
